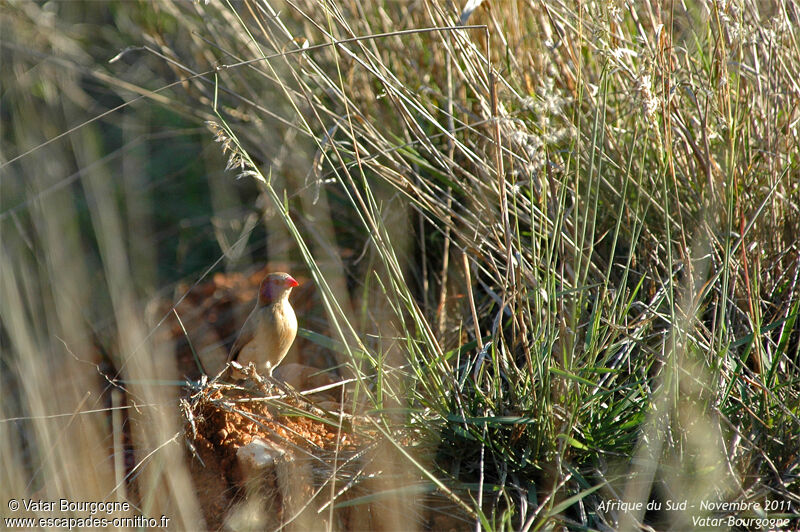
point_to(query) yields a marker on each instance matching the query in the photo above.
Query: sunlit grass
(557, 252)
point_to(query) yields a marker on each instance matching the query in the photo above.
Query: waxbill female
(269, 331)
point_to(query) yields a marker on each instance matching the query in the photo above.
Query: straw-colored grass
(557, 244)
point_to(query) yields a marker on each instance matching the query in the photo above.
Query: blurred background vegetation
(561, 248)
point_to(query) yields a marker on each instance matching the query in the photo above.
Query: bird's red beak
(290, 282)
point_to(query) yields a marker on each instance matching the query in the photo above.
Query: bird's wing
(246, 334)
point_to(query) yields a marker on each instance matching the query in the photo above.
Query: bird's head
(274, 287)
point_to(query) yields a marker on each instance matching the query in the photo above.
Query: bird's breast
(286, 323)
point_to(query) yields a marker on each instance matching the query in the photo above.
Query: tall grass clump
(557, 242)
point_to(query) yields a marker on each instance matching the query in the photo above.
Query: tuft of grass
(556, 243)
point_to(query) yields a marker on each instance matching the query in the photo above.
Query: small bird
(271, 327)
